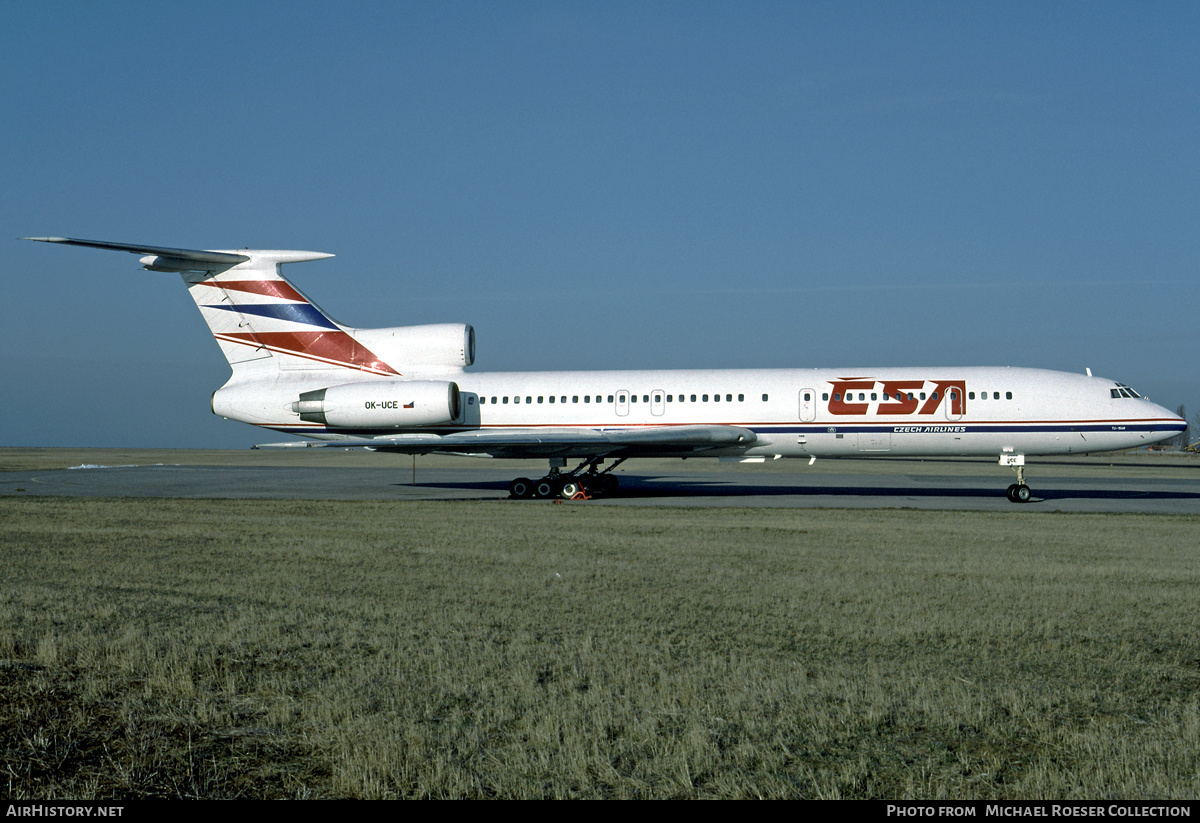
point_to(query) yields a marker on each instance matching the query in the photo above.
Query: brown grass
(160, 648)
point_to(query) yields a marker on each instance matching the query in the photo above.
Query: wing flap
(568, 442)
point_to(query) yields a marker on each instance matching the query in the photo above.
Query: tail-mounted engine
(381, 404)
(440, 346)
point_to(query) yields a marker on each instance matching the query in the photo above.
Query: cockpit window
(1123, 391)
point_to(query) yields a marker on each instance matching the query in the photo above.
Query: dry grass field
(164, 648)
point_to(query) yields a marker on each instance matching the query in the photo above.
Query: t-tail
(264, 324)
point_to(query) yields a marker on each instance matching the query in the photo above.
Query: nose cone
(1165, 423)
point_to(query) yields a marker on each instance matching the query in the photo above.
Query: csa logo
(899, 396)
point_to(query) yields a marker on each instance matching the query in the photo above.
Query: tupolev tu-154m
(406, 389)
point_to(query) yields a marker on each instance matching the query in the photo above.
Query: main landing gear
(1018, 492)
(577, 484)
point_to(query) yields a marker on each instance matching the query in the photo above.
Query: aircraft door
(808, 405)
(955, 402)
(657, 405)
(622, 403)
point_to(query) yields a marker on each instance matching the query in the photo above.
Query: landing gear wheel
(521, 488)
(608, 484)
(546, 487)
(1019, 493)
(569, 490)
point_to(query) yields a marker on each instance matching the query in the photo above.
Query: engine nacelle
(445, 345)
(381, 404)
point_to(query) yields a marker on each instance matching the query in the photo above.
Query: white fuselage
(792, 412)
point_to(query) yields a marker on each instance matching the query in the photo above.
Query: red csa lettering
(905, 393)
(840, 388)
(957, 389)
(900, 397)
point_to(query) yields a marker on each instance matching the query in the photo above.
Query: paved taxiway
(1082, 486)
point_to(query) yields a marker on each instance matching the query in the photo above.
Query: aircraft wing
(666, 441)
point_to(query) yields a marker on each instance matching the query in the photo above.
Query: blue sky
(600, 185)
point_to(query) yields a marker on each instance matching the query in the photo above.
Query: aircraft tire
(1022, 494)
(569, 490)
(546, 487)
(608, 484)
(521, 488)
(1011, 493)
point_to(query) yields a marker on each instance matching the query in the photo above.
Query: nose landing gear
(1018, 492)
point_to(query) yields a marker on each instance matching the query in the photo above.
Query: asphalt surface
(978, 488)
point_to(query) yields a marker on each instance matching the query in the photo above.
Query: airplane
(406, 390)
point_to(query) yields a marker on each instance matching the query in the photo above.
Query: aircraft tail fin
(259, 319)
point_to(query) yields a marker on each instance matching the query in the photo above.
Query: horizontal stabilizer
(193, 255)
